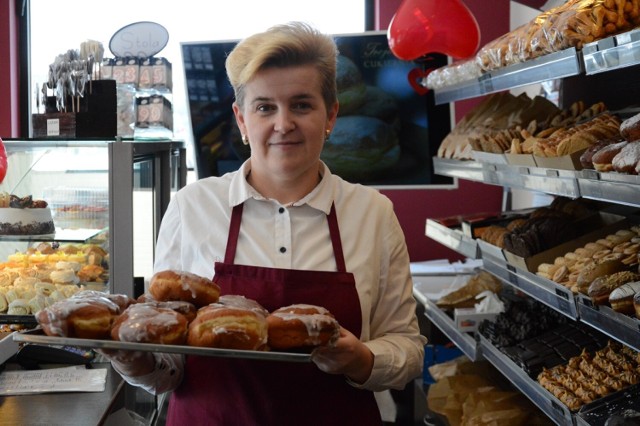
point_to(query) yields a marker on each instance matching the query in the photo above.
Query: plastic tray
(38, 336)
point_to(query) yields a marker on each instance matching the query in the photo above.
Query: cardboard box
(602, 225)
(566, 162)
(468, 320)
(521, 160)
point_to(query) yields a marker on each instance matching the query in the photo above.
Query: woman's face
(285, 119)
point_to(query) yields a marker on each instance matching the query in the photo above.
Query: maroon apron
(224, 391)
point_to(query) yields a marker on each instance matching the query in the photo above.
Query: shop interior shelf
(452, 238)
(612, 53)
(555, 65)
(549, 404)
(463, 340)
(551, 294)
(621, 327)
(611, 187)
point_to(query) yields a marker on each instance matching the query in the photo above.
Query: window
(59, 26)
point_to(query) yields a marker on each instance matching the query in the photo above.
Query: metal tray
(38, 336)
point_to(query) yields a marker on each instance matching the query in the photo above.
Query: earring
(327, 133)
(245, 140)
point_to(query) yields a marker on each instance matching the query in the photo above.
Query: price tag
(563, 305)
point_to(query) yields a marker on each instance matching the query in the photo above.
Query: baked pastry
(630, 128)
(149, 323)
(621, 299)
(601, 287)
(597, 269)
(302, 326)
(602, 160)
(86, 317)
(187, 309)
(627, 159)
(180, 285)
(122, 300)
(232, 324)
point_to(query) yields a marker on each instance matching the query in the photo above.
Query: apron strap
(234, 231)
(334, 232)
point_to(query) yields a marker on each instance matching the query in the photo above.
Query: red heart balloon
(427, 26)
(415, 76)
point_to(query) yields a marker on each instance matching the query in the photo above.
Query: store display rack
(608, 54)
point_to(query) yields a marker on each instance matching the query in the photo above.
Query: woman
(284, 230)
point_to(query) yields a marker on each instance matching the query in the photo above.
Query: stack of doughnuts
(184, 308)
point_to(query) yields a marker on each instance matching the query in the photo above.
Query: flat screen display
(386, 134)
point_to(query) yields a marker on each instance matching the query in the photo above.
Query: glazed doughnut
(187, 309)
(122, 300)
(179, 285)
(230, 324)
(301, 325)
(149, 323)
(89, 318)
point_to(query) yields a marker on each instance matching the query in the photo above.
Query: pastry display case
(106, 199)
(617, 56)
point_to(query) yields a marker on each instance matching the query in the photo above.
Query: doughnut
(149, 323)
(187, 309)
(230, 324)
(302, 325)
(179, 285)
(86, 317)
(122, 300)
(621, 298)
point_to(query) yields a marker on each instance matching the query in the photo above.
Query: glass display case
(109, 194)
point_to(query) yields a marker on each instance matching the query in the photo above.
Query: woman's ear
(237, 112)
(332, 115)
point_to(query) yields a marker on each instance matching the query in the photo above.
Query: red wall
(9, 104)
(413, 207)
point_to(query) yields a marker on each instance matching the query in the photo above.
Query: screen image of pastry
(49, 272)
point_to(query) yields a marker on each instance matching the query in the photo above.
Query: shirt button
(281, 209)
(283, 249)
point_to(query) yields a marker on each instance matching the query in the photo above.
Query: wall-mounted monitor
(386, 133)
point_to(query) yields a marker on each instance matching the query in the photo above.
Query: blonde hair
(285, 45)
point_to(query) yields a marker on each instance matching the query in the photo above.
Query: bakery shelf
(548, 403)
(615, 187)
(551, 294)
(612, 53)
(555, 65)
(79, 235)
(469, 170)
(623, 328)
(465, 341)
(452, 238)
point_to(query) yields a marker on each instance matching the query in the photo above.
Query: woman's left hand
(349, 356)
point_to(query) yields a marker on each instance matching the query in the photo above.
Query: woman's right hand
(129, 363)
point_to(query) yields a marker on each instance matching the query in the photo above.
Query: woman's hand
(349, 356)
(129, 363)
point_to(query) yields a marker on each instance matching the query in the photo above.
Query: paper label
(53, 127)
(67, 379)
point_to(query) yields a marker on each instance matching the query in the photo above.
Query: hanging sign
(140, 39)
